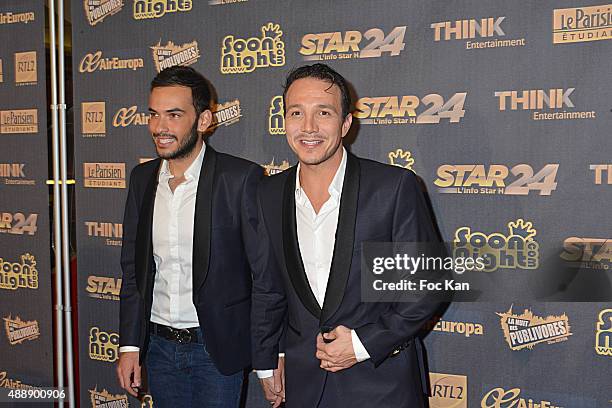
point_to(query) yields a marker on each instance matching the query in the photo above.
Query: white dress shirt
(316, 237)
(173, 219)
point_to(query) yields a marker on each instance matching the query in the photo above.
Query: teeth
(311, 142)
(165, 141)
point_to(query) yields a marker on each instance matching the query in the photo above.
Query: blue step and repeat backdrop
(26, 338)
(502, 108)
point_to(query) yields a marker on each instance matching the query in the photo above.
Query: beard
(185, 148)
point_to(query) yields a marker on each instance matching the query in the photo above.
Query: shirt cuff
(261, 374)
(360, 352)
(125, 349)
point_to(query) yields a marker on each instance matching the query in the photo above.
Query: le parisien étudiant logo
(580, 24)
(19, 121)
(104, 175)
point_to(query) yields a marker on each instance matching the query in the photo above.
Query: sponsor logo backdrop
(500, 108)
(26, 337)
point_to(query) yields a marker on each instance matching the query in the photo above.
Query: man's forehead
(313, 87)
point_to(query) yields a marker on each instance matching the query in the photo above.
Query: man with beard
(339, 350)
(188, 232)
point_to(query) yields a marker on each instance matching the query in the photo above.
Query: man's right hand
(274, 387)
(126, 367)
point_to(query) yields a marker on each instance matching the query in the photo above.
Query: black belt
(181, 336)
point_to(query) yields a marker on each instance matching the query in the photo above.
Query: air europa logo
(104, 399)
(18, 223)
(470, 29)
(500, 398)
(7, 382)
(97, 10)
(170, 55)
(335, 45)
(401, 158)
(14, 18)
(19, 121)
(130, 117)
(526, 330)
(240, 56)
(145, 9)
(226, 114)
(518, 249)
(492, 179)
(538, 99)
(19, 331)
(276, 116)
(17, 275)
(466, 329)
(581, 24)
(402, 110)
(448, 391)
(96, 62)
(25, 68)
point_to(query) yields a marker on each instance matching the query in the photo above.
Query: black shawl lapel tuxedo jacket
(225, 228)
(379, 203)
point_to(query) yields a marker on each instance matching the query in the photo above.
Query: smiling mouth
(311, 143)
(164, 140)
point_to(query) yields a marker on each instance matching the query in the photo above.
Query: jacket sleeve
(269, 304)
(130, 305)
(403, 320)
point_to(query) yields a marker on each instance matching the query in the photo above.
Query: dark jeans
(183, 375)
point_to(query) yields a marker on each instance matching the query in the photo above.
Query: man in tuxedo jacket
(316, 216)
(189, 228)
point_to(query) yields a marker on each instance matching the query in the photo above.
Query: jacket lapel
(291, 248)
(202, 226)
(144, 234)
(345, 237)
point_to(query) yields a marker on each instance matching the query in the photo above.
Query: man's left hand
(339, 354)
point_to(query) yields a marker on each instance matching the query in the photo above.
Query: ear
(346, 125)
(204, 120)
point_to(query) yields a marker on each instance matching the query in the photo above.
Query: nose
(158, 124)
(309, 124)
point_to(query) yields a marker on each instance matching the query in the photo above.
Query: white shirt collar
(192, 172)
(335, 187)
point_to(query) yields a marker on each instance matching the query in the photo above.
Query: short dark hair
(324, 73)
(190, 78)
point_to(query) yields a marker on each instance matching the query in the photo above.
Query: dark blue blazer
(225, 225)
(379, 203)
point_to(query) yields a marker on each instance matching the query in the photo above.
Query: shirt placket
(175, 201)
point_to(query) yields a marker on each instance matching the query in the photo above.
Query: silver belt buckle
(182, 336)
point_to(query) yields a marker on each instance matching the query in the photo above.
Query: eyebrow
(321, 105)
(173, 110)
